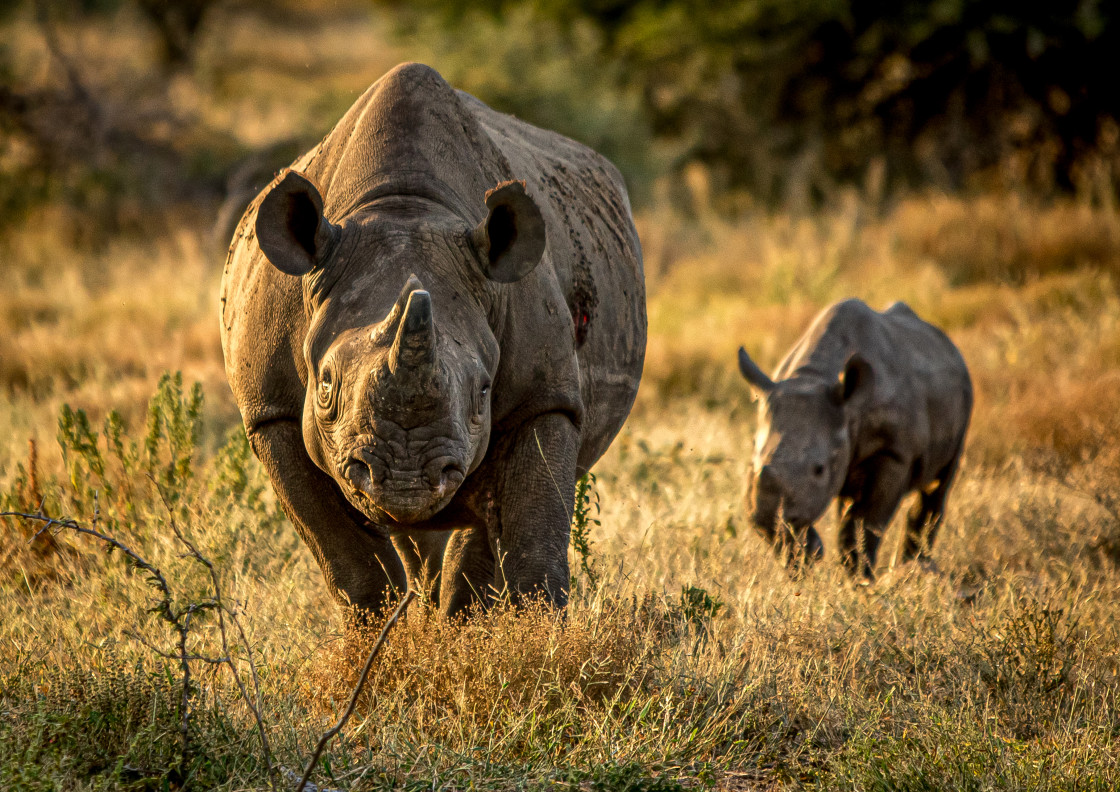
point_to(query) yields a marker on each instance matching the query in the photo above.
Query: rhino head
(398, 391)
(803, 447)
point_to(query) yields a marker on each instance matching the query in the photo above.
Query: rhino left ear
(856, 382)
(291, 228)
(510, 241)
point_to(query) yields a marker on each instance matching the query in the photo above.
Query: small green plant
(102, 469)
(235, 479)
(584, 515)
(111, 473)
(174, 426)
(698, 606)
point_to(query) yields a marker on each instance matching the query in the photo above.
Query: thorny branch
(180, 621)
(329, 734)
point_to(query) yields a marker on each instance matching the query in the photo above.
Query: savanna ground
(688, 658)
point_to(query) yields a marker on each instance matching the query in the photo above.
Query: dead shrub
(500, 665)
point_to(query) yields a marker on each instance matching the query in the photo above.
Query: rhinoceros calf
(866, 407)
(433, 323)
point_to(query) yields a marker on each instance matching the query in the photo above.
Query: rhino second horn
(414, 348)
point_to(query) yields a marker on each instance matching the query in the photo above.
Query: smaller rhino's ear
(759, 382)
(511, 240)
(856, 382)
(291, 228)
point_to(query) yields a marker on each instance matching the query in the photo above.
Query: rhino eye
(818, 470)
(479, 404)
(326, 389)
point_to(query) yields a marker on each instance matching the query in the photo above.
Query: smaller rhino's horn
(414, 348)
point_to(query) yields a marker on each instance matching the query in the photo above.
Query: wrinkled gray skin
(433, 324)
(866, 408)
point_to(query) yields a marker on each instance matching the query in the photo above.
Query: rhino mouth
(794, 539)
(403, 498)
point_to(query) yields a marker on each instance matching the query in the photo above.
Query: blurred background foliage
(787, 99)
(721, 104)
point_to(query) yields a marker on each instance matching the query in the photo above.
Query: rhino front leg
(536, 495)
(866, 519)
(926, 515)
(360, 567)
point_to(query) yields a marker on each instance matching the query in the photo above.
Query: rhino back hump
(409, 133)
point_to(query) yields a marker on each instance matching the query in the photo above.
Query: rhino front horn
(414, 348)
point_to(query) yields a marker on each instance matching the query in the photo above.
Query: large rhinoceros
(866, 407)
(433, 323)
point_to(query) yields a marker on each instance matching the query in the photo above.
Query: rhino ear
(291, 228)
(511, 240)
(856, 382)
(759, 382)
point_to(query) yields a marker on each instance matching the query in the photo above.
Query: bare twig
(329, 734)
(179, 620)
(227, 658)
(254, 707)
(173, 656)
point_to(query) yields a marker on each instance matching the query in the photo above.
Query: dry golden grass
(1009, 650)
(696, 660)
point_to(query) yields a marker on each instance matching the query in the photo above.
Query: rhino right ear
(759, 382)
(291, 228)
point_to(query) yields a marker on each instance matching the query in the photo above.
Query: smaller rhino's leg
(927, 514)
(421, 553)
(867, 518)
(468, 571)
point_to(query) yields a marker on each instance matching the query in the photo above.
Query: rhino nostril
(358, 474)
(452, 474)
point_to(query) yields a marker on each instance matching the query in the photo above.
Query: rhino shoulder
(262, 322)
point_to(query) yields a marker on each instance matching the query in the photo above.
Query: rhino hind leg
(468, 571)
(360, 567)
(865, 520)
(927, 514)
(421, 552)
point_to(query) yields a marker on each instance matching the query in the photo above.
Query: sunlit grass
(1009, 649)
(695, 659)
